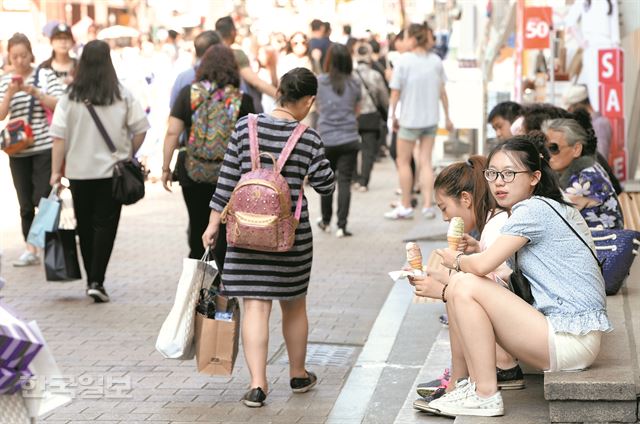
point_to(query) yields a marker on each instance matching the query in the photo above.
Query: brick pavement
(115, 341)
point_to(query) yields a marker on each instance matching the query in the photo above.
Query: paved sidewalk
(107, 351)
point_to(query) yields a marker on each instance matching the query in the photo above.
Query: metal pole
(552, 71)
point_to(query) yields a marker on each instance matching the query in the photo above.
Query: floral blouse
(593, 182)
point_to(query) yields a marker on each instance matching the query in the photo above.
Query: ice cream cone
(455, 232)
(414, 256)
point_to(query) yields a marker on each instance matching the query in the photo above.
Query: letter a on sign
(611, 100)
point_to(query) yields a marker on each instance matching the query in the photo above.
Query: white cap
(575, 94)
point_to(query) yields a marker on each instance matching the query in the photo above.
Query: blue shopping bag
(46, 220)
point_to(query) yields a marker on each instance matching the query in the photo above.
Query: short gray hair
(572, 130)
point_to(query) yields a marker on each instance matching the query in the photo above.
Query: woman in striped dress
(31, 167)
(261, 277)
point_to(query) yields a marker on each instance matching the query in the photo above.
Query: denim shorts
(413, 134)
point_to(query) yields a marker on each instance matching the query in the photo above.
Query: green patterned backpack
(215, 112)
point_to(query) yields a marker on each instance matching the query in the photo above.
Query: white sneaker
(399, 212)
(26, 259)
(325, 228)
(429, 213)
(467, 402)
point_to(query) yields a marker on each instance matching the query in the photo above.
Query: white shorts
(568, 352)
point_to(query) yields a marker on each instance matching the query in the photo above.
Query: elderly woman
(583, 180)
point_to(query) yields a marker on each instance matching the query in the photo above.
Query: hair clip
(468, 162)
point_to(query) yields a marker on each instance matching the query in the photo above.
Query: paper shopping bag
(18, 344)
(39, 397)
(45, 220)
(61, 256)
(175, 340)
(217, 343)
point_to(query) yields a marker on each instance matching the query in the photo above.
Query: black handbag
(61, 256)
(128, 174)
(519, 284)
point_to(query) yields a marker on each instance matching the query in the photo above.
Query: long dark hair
(219, 65)
(469, 176)
(531, 152)
(339, 66)
(96, 79)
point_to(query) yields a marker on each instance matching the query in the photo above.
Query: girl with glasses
(562, 330)
(462, 190)
(584, 181)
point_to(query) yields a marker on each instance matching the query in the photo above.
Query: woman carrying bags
(88, 162)
(23, 98)
(262, 277)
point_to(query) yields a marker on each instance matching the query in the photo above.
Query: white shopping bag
(175, 340)
(38, 397)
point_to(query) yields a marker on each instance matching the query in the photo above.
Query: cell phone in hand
(17, 79)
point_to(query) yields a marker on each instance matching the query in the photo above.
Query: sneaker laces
(461, 390)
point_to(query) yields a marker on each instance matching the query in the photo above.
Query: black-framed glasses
(555, 148)
(507, 176)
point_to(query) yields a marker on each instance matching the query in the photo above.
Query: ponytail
(530, 150)
(469, 176)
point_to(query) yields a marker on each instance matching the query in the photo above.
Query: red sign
(611, 103)
(618, 154)
(610, 65)
(537, 27)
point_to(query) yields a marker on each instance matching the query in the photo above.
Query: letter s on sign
(607, 66)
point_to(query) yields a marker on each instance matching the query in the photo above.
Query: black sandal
(302, 385)
(254, 398)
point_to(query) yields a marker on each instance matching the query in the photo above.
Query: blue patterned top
(566, 282)
(593, 182)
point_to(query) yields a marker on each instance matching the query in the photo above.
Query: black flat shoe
(302, 385)
(254, 398)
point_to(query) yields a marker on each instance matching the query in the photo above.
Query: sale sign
(537, 27)
(611, 103)
(610, 65)
(618, 154)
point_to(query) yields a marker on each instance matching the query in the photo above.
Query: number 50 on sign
(537, 27)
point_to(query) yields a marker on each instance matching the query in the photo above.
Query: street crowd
(321, 114)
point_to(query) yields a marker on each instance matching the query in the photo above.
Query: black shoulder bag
(128, 174)
(371, 121)
(519, 284)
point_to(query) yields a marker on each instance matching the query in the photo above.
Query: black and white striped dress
(265, 275)
(19, 108)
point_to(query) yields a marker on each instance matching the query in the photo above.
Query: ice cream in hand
(454, 235)
(414, 256)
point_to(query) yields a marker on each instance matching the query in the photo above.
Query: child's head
(461, 190)
(519, 168)
(502, 116)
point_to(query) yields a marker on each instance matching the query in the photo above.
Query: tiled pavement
(104, 349)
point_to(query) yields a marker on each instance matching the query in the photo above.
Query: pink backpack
(258, 215)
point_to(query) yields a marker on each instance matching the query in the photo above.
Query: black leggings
(31, 179)
(98, 216)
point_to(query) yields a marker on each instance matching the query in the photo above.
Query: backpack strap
(282, 159)
(254, 148)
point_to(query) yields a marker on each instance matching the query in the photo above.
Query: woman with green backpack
(206, 111)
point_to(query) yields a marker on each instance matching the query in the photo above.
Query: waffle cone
(416, 264)
(453, 242)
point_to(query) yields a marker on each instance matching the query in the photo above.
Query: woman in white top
(461, 190)
(88, 161)
(418, 83)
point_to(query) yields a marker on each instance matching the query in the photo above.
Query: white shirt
(86, 153)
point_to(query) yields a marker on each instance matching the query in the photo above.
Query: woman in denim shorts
(418, 84)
